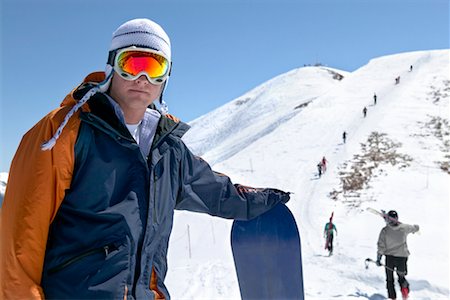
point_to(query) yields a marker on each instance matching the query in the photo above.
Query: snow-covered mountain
(397, 157)
(232, 127)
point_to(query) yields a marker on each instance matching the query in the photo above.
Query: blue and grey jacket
(110, 234)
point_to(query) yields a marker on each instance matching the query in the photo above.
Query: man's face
(133, 94)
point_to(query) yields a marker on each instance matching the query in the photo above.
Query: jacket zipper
(155, 214)
(141, 241)
(138, 270)
(151, 190)
(155, 143)
(105, 249)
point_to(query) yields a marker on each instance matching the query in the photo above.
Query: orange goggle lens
(133, 63)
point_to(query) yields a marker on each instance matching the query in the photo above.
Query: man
(88, 213)
(392, 244)
(328, 234)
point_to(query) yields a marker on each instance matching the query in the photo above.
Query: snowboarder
(410, 68)
(392, 244)
(397, 80)
(365, 111)
(93, 186)
(319, 169)
(324, 164)
(375, 99)
(328, 234)
(344, 136)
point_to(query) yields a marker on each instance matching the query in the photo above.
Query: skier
(328, 234)
(375, 99)
(365, 111)
(319, 169)
(410, 68)
(93, 186)
(392, 244)
(344, 136)
(324, 164)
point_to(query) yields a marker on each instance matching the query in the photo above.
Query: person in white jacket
(392, 244)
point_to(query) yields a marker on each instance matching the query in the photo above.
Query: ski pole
(373, 261)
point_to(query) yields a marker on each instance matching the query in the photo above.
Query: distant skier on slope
(392, 244)
(319, 169)
(374, 99)
(344, 136)
(324, 164)
(328, 234)
(365, 111)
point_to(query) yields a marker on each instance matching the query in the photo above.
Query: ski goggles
(130, 63)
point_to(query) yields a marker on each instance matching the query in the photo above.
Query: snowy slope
(230, 128)
(271, 143)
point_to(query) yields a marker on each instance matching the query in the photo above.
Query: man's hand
(284, 196)
(378, 262)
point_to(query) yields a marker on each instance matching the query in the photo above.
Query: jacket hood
(90, 81)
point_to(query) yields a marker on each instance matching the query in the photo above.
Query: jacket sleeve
(203, 190)
(36, 186)
(382, 242)
(412, 228)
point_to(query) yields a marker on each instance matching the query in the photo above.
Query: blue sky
(221, 49)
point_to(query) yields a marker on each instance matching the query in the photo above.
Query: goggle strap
(112, 54)
(111, 57)
(170, 70)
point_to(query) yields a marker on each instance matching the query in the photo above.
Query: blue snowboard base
(267, 256)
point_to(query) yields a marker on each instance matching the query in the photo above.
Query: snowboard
(267, 256)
